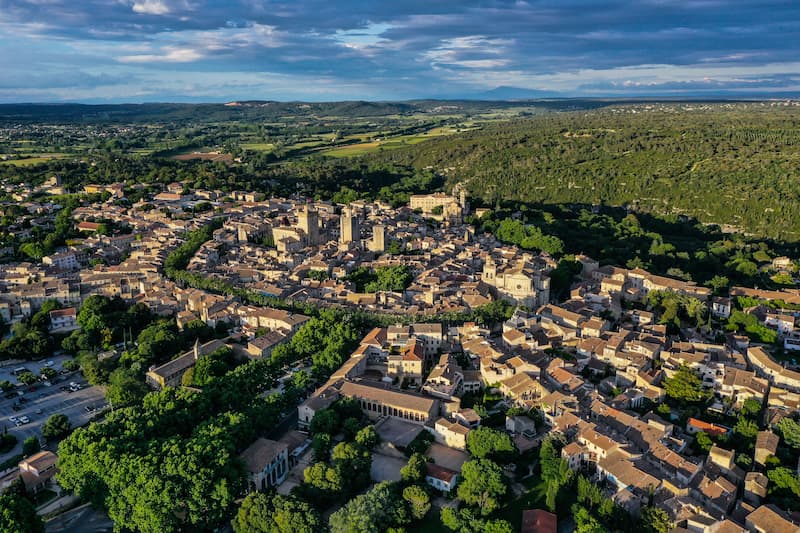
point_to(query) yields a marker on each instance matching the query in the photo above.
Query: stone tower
(349, 230)
(308, 221)
(378, 242)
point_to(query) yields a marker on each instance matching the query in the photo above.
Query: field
(390, 143)
(205, 156)
(33, 159)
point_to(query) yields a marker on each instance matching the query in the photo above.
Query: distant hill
(729, 163)
(515, 93)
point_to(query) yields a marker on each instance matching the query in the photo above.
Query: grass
(258, 147)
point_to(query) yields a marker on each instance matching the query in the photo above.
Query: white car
(12, 419)
(24, 419)
(49, 364)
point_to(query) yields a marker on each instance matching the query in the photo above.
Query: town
(487, 398)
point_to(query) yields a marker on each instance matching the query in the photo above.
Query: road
(83, 519)
(43, 402)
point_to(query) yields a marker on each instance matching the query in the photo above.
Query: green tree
(262, 513)
(368, 437)
(790, 430)
(380, 509)
(655, 520)
(751, 407)
(27, 378)
(325, 421)
(482, 485)
(418, 500)
(584, 521)
(415, 470)
(685, 386)
(125, 388)
(56, 427)
(353, 462)
(326, 480)
(31, 445)
(484, 442)
(17, 515)
(703, 441)
(555, 470)
(747, 429)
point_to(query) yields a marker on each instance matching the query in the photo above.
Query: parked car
(49, 364)
(12, 418)
(24, 419)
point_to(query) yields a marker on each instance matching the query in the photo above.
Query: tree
(31, 445)
(790, 430)
(482, 485)
(703, 441)
(745, 428)
(415, 470)
(56, 427)
(686, 386)
(17, 514)
(418, 500)
(368, 437)
(555, 470)
(48, 373)
(751, 407)
(325, 421)
(125, 388)
(380, 509)
(212, 366)
(484, 442)
(464, 521)
(655, 520)
(353, 462)
(584, 521)
(70, 365)
(783, 479)
(325, 479)
(262, 513)
(27, 378)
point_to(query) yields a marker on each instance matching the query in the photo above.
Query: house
(440, 478)
(766, 445)
(755, 487)
(521, 425)
(694, 426)
(721, 307)
(769, 519)
(538, 521)
(63, 320)
(37, 470)
(451, 434)
(266, 463)
(261, 347)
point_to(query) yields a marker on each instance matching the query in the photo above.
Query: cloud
(405, 49)
(151, 7)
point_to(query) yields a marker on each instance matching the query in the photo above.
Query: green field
(258, 147)
(34, 159)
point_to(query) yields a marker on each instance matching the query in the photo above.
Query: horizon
(187, 51)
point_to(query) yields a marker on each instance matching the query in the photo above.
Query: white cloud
(170, 55)
(151, 7)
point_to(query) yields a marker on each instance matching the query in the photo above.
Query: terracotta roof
(538, 521)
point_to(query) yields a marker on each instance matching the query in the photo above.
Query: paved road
(46, 401)
(84, 519)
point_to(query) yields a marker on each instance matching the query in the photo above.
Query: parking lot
(39, 402)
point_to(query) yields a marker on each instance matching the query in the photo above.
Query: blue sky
(196, 50)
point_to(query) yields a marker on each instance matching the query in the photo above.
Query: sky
(112, 51)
